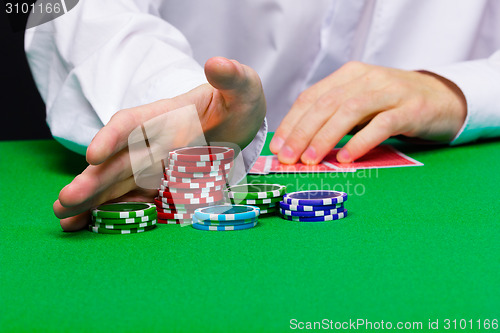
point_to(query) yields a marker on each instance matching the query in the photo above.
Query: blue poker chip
(312, 214)
(315, 198)
(224, 227)
(304, 208)
(224, 223)
(325, 218)
(227, 212)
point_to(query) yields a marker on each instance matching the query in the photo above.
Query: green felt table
(420, 243)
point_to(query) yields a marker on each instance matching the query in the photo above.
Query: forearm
(100, 58)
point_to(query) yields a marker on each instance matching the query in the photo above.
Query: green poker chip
(132, 220)
(268, 206)
(124, 210)
(98, 230)
(268, 212)
(124, 226)
(253, 202)
(256, 191)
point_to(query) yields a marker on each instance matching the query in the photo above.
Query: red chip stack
(194, 177)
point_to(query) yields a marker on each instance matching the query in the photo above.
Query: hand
(381, 102)
(231, 109)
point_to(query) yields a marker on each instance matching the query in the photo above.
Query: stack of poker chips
(195, 177)
(123, 218)
(264, 196)
(226, 217)
(313, 206)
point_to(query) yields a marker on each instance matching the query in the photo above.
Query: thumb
(234, 80)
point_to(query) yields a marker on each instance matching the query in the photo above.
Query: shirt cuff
(252, 152)
(479, 81)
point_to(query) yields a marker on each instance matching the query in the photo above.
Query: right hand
(231, 109)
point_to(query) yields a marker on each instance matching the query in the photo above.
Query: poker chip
(315, 198)
(175, 216)
(313, 206)
(264, 196)
(172, 211)
(255, 201)
(256, 191)
(98, 230)
(202, 154)
(224, 227)
(164, 205)
(123, 218)
(312, 214)
(216, 179)
(227, 213)
(331, 217)
(194, 178)
(267, 206)
(194, 201)
(174, 163)
(203, 169)
(304, 208)
(205, 175)
(201, 185)
(190, 190)
(186, 195)
(132, 220)
(170, 221)
(124, 210)
(235, 222)
(268, 211)
(124, 226)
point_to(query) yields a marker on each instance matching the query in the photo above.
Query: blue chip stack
(226, 217)
(313, 206)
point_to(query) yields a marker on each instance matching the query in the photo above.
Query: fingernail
(309, 155)
(287, 154)
(343, 156)
(276, 143)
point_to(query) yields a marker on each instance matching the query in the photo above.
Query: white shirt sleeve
(479, 80)
(104, 56)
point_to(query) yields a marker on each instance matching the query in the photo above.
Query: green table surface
(420, 244)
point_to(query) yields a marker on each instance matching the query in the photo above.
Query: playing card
(380, 157)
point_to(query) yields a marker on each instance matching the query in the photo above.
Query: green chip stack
(123, 218)
(264, 196)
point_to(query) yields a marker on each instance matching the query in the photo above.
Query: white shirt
(106, 55)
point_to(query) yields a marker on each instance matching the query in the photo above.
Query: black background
(23, 111)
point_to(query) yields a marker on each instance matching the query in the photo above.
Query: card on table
(380, 157)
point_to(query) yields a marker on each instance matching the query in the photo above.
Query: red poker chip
(190, 175)
(195, 180)
(171, 163)
(205, 169)
(191, 190)
(175, 216)
(171, 195)
(202, 153)
(183, 185)
(174, 211)
(195, 201)
(174, 221)
(160, 204)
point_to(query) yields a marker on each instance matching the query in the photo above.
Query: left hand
(382, 101)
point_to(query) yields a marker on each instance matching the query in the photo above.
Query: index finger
(113, 137)
(348, 72)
